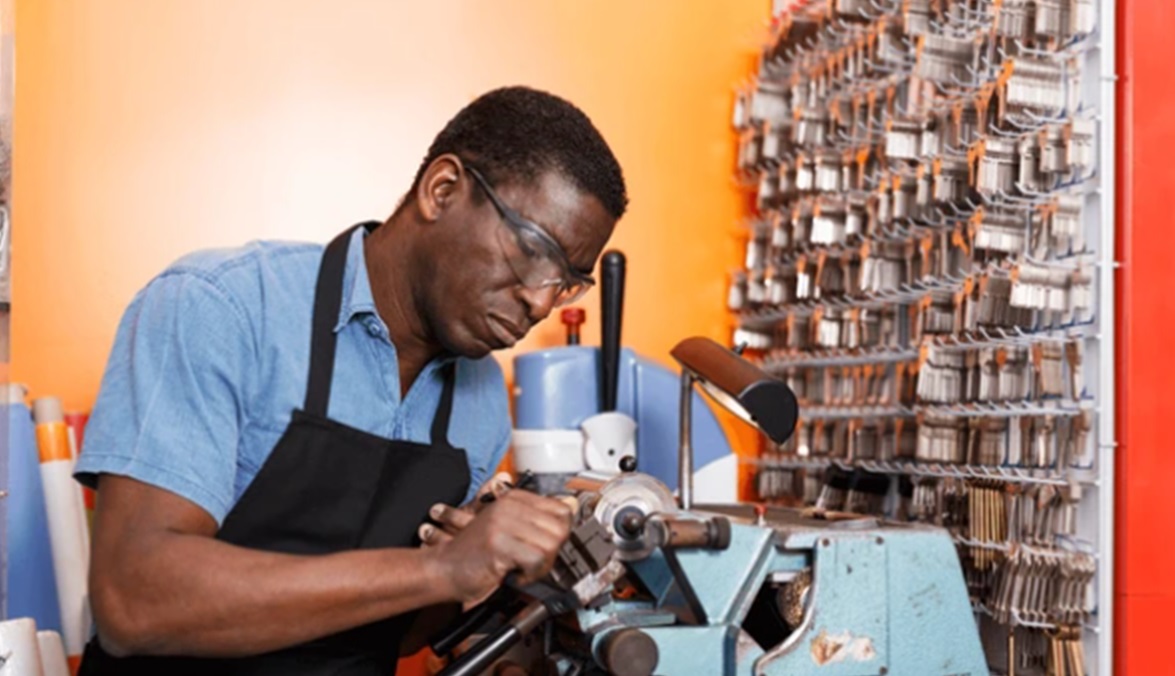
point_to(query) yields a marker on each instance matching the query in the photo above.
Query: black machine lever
(488, 650)
(612, 271)
(470, 622)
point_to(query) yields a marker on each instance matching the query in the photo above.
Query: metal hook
(1062, 115)
(1050, 55)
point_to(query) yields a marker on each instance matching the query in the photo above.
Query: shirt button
(373, 328)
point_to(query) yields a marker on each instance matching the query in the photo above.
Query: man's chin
(469, 346)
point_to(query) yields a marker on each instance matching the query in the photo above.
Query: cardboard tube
(18, 643)
(67, 528)
(53, 661)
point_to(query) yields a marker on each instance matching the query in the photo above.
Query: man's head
(514, 202)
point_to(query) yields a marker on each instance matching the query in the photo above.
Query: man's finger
(552, 506)
(451, 519)
(496, 487)
(431, 536)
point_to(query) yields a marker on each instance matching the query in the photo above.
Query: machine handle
(481, 656)
(488, 650)
(612, 270)
(468, 623)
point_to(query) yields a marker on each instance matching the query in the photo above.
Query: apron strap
(328, 300)
(440, 420)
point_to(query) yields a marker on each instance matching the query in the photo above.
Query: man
(276, 422)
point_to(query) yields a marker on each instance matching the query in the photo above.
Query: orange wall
(147, 128)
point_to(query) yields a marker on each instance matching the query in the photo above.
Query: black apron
(326, 488)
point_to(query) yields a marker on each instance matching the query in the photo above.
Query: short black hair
(519, 133)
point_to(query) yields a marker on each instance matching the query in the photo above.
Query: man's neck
(389, 267)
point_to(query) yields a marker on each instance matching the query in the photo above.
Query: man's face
(474, 300)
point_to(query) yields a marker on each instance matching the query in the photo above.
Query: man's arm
(162, 585)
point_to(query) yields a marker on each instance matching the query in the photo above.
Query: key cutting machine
(649, 584)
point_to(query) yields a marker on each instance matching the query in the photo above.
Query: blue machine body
(884, 598)
(559, 388)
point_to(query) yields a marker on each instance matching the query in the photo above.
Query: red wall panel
(1145, 580)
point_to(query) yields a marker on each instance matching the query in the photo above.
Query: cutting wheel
(632, 491)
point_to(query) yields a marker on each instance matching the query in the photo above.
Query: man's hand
(453, 520)
(476, 550)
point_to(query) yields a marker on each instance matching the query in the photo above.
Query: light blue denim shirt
(212, 357)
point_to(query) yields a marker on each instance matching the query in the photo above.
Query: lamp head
(740, 387)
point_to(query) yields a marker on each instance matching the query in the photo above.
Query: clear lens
(534, 268)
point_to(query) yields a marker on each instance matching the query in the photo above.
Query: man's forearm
(193, 595)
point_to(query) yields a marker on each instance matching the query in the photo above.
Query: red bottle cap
(572, 316)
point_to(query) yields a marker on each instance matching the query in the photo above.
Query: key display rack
(929, 266)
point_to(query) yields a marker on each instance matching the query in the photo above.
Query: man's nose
(539, 302)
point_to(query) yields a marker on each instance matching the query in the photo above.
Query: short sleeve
(487, 433)
(170, 407)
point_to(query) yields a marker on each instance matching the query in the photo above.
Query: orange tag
(976, 219)
(1005, 73)
(958, 240)
(923, 353)
(1001, 357)
(865, 248)
(1014, 274)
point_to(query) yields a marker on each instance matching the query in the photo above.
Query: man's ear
(439, 186)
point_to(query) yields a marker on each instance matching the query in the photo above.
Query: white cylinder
(70, 558)
(18, 645)
(548, 451)
(68, 535)
(53, 661)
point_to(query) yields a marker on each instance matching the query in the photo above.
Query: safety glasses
(536, 258)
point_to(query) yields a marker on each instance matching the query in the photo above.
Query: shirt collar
(357, 297)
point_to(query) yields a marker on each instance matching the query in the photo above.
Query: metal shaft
(685, 449)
